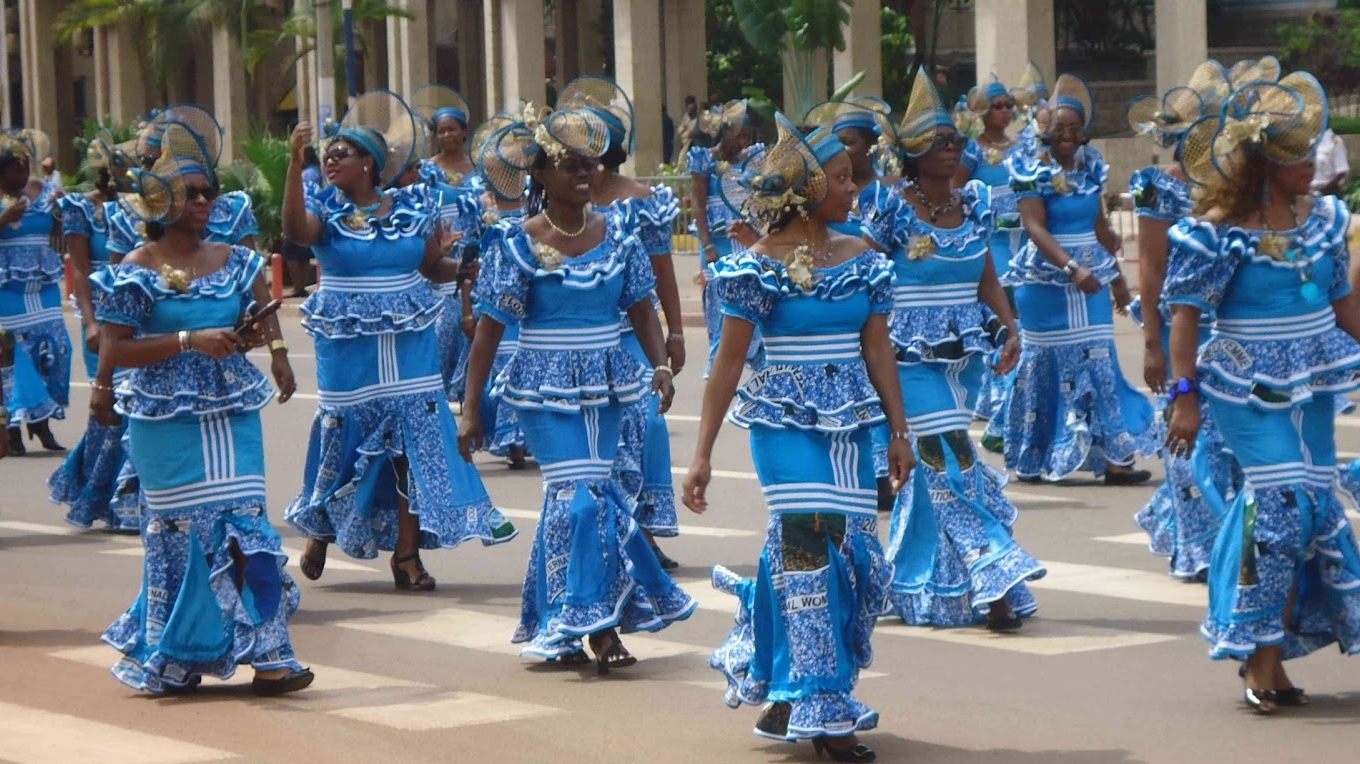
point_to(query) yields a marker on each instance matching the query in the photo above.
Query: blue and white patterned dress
(500, 422)
(460, 210)
(1180, 523)
(30, 307)
(88, 480)
(1071, 408)
(194, 432)
(805, 621)
(383, 429)
(1270, 372)
(950, 541)
(989, 166)
(571, 381)
(643, 464)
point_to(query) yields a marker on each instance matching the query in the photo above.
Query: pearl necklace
(585, 223)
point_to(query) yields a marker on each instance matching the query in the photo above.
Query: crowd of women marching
(872, 285)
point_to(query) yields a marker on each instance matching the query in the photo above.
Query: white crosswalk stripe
(1040, 636)
(34, 736)
(448, 710)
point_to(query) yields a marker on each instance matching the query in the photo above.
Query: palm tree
(797, 31)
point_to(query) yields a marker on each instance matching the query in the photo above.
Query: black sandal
(516, 458)
(666, 562)
(313, 567)
(423, 581)
(774, 720)
(856, 753)
(182, 689)
(293, 681)
(1257, 698)
(572, 660)
(612, 657)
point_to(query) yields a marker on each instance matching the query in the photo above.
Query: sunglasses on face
(339, 155)
(574, 164)
(1003, 105)
(950, 141)
(207, 193)
(1057, 130)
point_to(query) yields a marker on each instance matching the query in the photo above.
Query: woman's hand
(1010, 356)
(663, 386)
(472, 270)
(1154, 367)
(469, 434)
(1119, 289)
(469, 327)
(1184, 427)
(101, 405)
(15, 212)
(675, 351)
(696, 486)
(1085, 280)
(216, 343)
(92, 336)
(283, 376)
(300, 140)
(254, 336)
(901, 461)
(447, 239)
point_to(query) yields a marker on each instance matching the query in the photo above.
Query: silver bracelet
(904, 435)
(676, 337)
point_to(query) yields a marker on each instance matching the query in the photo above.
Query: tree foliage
(1328, 45)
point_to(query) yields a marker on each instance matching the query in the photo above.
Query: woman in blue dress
(955, 560)
(644, 457)
(1181, 524)
(564, 275)
(30, 292)
(215, 593)
(1071, 408)
(722, 139)
(88, 480)
(383, 471)
(1270, 260)
(805, 621)
(453, 174)
(859, 124)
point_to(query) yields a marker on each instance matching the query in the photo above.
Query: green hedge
(1346, 125)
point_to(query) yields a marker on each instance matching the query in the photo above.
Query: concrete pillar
(471, 40)
(589, 44)
(637, 65)
(100, 79)
(683, 37)
(514, 61)
(127, 90)
(863, 49)
(304, 83)
(417, 35)
(229, 91)
(39, 67)
(1010, 33)
(1182, 41)
(396, 56)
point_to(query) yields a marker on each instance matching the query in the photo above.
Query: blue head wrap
(618, 132)
(1070, 103)
(825, 145)
(370, 141)
(996, 90)
(863, 120)
(451, 112)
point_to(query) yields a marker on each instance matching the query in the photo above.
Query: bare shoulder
(845, 247)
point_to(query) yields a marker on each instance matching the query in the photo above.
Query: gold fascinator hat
(384, 127)
(196, 118)
(487, 162)
(914, 135)
(1167, 118)
(730, 117)
(1281, 121)
(1069, 92)
(28, 144)
(607, 100)
(539, 132)
(1032, 89)
(435, 102)
(1245, 72)
(157, 194)
(785, 177)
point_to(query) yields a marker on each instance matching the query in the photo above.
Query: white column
(39, 67)
(101, 74)
(418, 44)
(396, 56)
(514, 61)
(6, 114)
(686, 63)
(637, 69)
(589, 52)
(127, 90)
(863, 49)
(229, 91)
(1010, 33)
(1182, 41)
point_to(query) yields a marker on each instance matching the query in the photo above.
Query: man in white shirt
(1332, 165)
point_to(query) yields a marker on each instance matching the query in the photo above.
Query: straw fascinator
(383, 126)
(435, 102)
(1069, 92)
(915, 134)
(786, 177)
(32, 146)
(514, 149)
(604, 98)
(198, 119)
(730, 117)
(158, 194)
(1032, 89)
(1265, 69)
(486, 162)
(861, 112)
(1281, 121)
(1167, 118)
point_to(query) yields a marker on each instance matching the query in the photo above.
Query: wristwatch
(1181, 387)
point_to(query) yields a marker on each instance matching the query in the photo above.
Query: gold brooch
(994, 155)
(799, 266)
(723, 167)
(1273, 245)
(176, 278)
(454, 178)
(356, 221)
(921, 247)
(1061, 184)
(550, 258)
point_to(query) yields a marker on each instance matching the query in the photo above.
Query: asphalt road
(1110, 671)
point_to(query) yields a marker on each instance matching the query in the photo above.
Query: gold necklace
(585, 222)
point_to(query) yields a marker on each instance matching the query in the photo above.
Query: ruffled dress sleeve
(1199, 264)
(232, 219)
(639, 281)
(749, 285)
(502, 289)
(972, 156)
(188, 383)
(1030, 177)
(1158, 195)
(655, 215)
(1337, 217)
(77, 215)
(883, 221)
(700, 161)
(124, 233)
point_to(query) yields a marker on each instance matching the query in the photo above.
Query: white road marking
(1139, 539)
(41, 528)
(293, 556)
(1038, 637)
(1120, 583)
(447, 711)
(34, 736)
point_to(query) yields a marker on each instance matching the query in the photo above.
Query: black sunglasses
(340, 154)
(950, 141)
(1001, 105)
(208, 193)
(574, 164)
